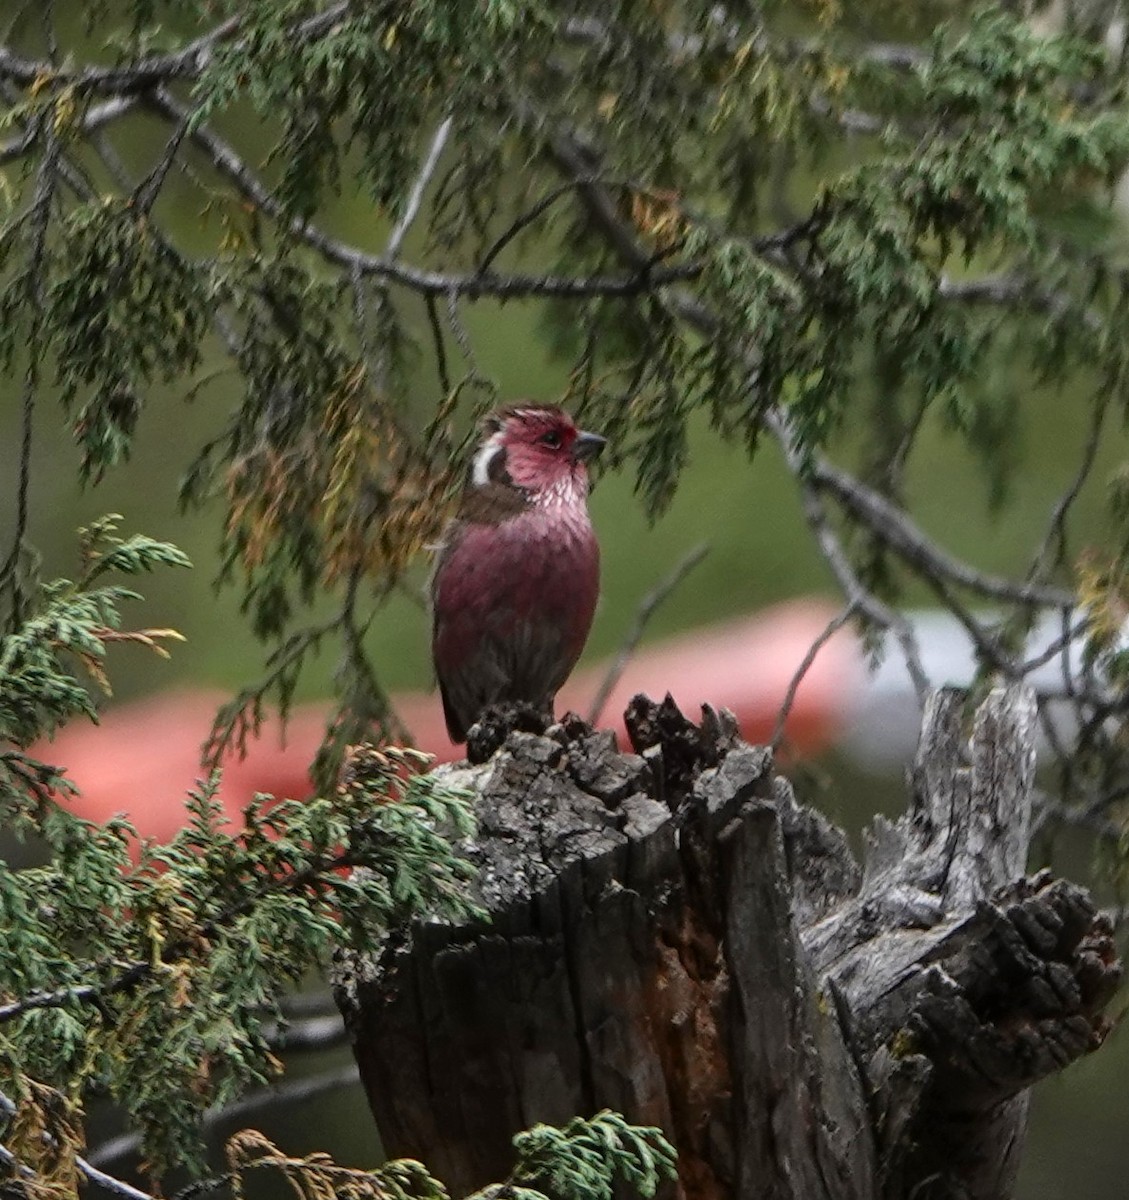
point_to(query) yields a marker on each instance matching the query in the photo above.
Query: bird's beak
(587, 445)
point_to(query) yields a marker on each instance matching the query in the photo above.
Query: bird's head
(536, 448)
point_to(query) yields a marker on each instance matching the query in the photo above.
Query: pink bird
(518, 571)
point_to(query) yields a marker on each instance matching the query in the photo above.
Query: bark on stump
(672, 936)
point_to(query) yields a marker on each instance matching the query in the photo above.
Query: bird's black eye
(552, 439)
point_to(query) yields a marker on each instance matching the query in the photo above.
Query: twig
(1056, 527)
(896, 467)
(1059, 645)
(833, 626)
(204, 1187)
(241, 716)
(358, 670)
(112, 161)
(858, 596)
(578, 170)
(528, 217)
(146, 192)
(986, 644)
(1065, 660)
(643, 614)
(440, 348)
(415, 199)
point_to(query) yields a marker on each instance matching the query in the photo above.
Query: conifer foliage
(153, 974)
(722, 208)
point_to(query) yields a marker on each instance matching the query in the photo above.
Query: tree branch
(40, 215)
(894, 527)
(700, 318)
(91, 1173)
(187, 63)
(1012, 288)
(815, 473)
(474, 285)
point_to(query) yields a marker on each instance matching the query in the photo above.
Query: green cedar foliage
(582, 1161)
(155, 970)
(153, 973)
(77, 619)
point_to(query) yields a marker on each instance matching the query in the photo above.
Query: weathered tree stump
(674, 937)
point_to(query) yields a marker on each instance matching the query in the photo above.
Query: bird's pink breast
(539, 568)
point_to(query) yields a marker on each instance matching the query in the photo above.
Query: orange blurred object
(144, 756)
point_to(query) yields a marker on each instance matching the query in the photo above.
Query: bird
(517, 573)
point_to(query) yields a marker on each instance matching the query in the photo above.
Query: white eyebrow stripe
(480, 472)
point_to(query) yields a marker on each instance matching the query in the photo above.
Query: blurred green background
(761, 552)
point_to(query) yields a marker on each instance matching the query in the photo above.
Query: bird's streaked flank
(517, 575)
